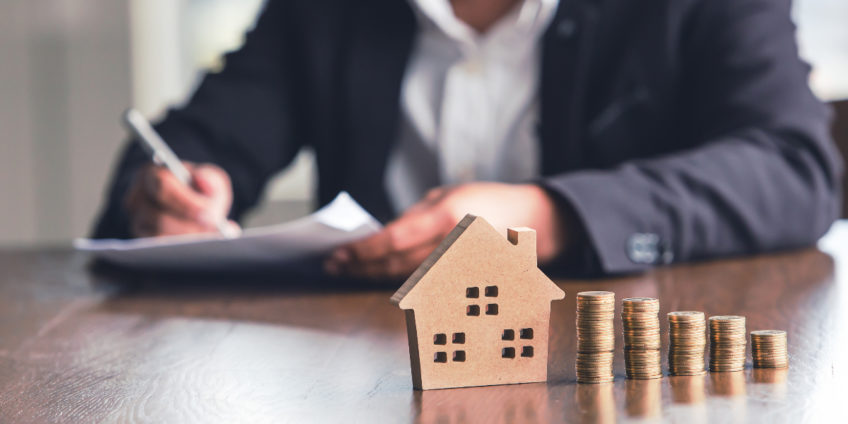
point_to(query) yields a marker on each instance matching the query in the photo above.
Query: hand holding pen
(174, 197)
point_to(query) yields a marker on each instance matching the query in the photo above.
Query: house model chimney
(524, 238)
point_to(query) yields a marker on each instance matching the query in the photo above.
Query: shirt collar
(525, 19)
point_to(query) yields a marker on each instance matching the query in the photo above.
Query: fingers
(214, 183)
(403, 244)
(150, 221)
(430, 199)
(400, 247)
(396, 250)
(395, 266)
(164, 190)
(160, 204)
(211, 181)
(409, 231)
(233, 228)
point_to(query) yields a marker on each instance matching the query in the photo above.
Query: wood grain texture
(77, 346)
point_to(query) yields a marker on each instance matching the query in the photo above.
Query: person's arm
(403, 244)
(237, 119)
(766, 178)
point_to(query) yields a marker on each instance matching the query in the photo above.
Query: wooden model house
(478, 310)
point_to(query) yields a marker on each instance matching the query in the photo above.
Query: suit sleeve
(238, 119)
(767, 178)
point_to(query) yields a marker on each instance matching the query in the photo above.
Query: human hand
(402, 245)
(159, 204)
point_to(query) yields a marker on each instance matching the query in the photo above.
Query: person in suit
(628, 134)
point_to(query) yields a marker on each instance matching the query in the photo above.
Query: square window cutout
(459, 356)
(472, 310)
(440, 339)
(440, 357)
(492, 309)
(458, 338)
(526, 333)
(508, 352)
(472, 292)
(527, 351)
(491, 291)
(508, 335)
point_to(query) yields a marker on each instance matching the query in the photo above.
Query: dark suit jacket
(675, 129)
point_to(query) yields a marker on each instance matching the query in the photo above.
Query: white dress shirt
(469, 101)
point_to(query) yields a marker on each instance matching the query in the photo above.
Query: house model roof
(475, 245)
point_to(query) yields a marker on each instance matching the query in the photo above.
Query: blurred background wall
(68, 68)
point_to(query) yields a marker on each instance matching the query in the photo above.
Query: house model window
(453, 310)
(441, 356)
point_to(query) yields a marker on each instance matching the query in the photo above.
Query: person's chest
(606, 81)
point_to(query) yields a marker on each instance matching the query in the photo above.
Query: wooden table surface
(78, 347)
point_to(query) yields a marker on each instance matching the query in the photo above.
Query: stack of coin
(643, 364)
(686, 342)
(768, 348)
(594, 367)
(641, 323)
(727, 343)
(641, 337)
(595, 336)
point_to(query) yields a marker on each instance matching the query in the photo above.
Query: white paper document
(342, 221)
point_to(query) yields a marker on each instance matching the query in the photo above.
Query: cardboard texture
(478, 310)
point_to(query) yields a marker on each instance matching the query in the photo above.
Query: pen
(162, 155)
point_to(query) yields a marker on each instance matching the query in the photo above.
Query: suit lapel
(380, 43)
(566, 48)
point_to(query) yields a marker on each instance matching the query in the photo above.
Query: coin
(595, 321)
(769, 349)
(595, 367)
(686, 342)
(642, 363)
(595, 336)
(641, 330)
(727, 343)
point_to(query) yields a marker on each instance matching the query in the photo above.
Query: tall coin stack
(687, 339)
(727, 343)
(595, 336)
(641, 323)
(768, 347)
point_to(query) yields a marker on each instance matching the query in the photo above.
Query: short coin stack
(687, 340)
(641, 337)
(595, 336)
(727, 343)
(768, 347)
